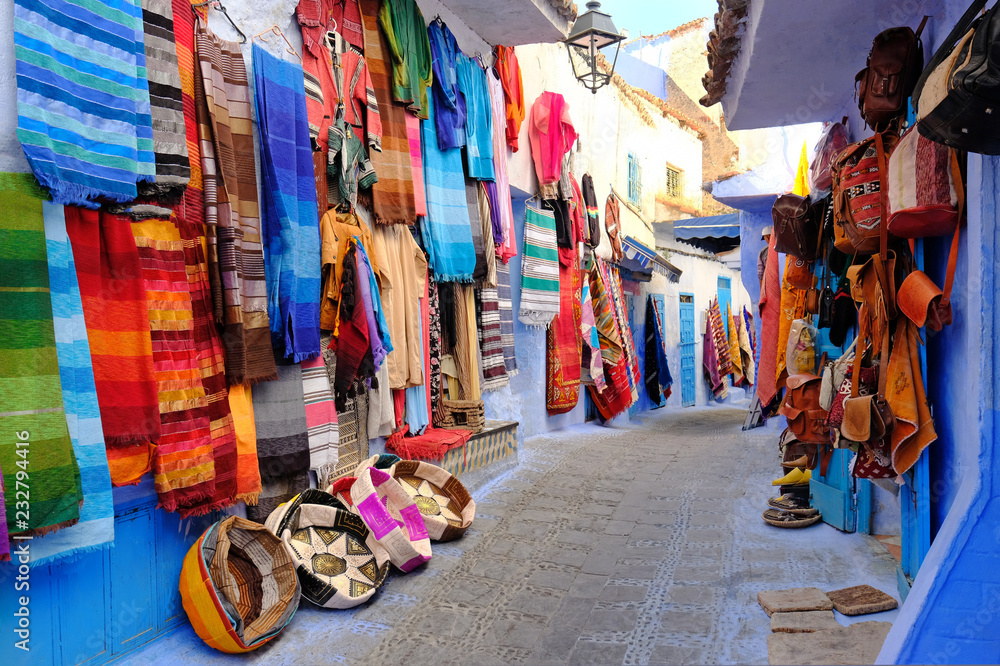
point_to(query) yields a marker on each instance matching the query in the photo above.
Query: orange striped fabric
(247, 468)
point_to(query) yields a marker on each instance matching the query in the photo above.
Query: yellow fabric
(734, 346)
(466, 351)
(247, 467)
(802, 174)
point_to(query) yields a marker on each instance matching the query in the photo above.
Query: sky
(652, 18)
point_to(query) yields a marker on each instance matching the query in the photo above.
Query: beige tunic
(403, 268)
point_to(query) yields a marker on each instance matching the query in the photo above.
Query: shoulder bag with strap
(887, 81)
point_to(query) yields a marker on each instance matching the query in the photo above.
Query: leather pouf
(393, 518)
(447, 507)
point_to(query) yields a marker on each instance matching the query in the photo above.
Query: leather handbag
(869, 417)
(807, 420)
(799, 274)
(858, 184)
(833, 140)
(924, 188)
(956, 95)
(922, 301)
(824, 306)
(796, 227)
(873, 283)
(894, 64)
(812, 301)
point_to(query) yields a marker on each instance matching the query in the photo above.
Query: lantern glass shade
(591, 32)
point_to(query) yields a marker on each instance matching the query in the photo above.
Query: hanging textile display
(83, 417)
(449, 104)
(289, 217)
(321, 419)
(235, 254)
(392, 195)
(612, 225)
(539, 269)
(770, 321)
(481, 271)
(612, 347)
(31, 404)
(191, 208)
(552, 135)
(914, 430)
(336, 232)
(418, 398)
(245, 430)
(402, 271)
(466, 346)
(745, 326)
(733, 338)
(486, 230)
(447, 232)
(491, 340)
(509, 73)
(658, 379)
(184, 471)
(719, 339)
(173, 168)
(793, 306)
(472, 86)
(406, 35)
(710, 363)
(564, 343)
(503, 217)
(592, 362)
(353, 343)
(506, 319)
(592, 233)
(68, 89)
(417, 165)
(282, 440)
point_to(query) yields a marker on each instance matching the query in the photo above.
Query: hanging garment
(406, 35)
(476, 228)
(490, 339)
(751, 333)
(564, 222)
(662, 365)
(83, 98)
(184, 473)
(503, 218)
(658, 379)
(347, 165)
(381, 406)
(447, 232)
(353, 345)
(614, 282)
(719, 339)
(506, 319)
(114, 306)
(907, 397)
(612, 224)
(466, 351)
(478, 118)
(355, 97)
(417, 399)
(279, 412)
(31, 403)
(379, 343)
(793, 306)
(316, 17)
(770, 321)
(173, 169)
(486, 213)
(733, 340)
(191, 208)
(289, 216)
(392, 195)
(247, 468)
(592, 366)
(593, 230)
(552, 134)
(564, 343)
(416, 164)
(539, 269)
(434, 344)
(321, 419)
(617, 395)
(79, 398)
(710, 363)
(236, 255)
(746, 350)
(509, 73)
(612, 346)
(336, 231)
(449, 103)
(402, 268)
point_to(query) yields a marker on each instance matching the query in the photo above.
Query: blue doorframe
(687, 349)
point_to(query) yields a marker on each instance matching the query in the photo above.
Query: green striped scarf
(41, 475)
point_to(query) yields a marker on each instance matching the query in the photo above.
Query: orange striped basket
(223, 581)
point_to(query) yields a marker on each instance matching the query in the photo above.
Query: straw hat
(340, 565)
(447, 507)
(393, 518)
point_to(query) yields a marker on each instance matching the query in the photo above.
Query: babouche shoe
(801, 461)
(796, 477)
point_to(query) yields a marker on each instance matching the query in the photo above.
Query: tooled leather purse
(806, 418)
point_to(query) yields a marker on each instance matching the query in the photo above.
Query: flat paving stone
(861, 600)
(793, 599)
(855, 644)
(800, 622)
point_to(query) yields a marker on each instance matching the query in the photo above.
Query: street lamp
(591, 32)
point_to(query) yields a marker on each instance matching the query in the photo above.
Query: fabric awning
(716, 226)
(648, 259)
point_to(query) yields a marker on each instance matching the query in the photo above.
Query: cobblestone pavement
(631, 545)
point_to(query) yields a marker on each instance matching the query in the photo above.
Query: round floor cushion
(447, 507)
(238, 586)
(393, 518)
(338, 560)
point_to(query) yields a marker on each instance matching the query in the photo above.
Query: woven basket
(393, 518)
(383, 461)
(447, 507)
(238, 586)
(782, 519)
(339, 563)
(461, 415)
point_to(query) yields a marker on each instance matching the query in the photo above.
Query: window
(634, 180)
(673, 182)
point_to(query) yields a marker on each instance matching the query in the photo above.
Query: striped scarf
(114, 306)
(506, 319)
(247, 470)
(447, 231)
(184, 464)
(290, 214)
(539, 269)
(36, 439)
(481, 271)
(235, 254)
(173, 169)
(491, 340)
(83, 416)
(393, 200)
(321, 419)
(191, 209)
(83, 98)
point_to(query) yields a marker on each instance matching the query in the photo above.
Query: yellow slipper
(792, 478)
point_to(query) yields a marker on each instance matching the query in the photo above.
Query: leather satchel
(796, 227)
(956, 95)
(924, 188)
(894, 65)
(858, 185)
(807, 420)
(868, 418)
(922, 301)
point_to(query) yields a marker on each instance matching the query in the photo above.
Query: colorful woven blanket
(564, 344)
(83, 416)
(417, 164)
(83, 98)
(393, 193)
(506, 243)
(235, 256)
(491, 340)
(539, 269)
(290, 215)
(592, 361)
(446, 232)
(321, 419)
(506, 319)
(173, 169)
(114, 307)
(191, 209)
(37, 441)
(247, 469)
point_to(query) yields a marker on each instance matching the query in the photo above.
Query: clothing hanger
(277, 31)
(218, 6)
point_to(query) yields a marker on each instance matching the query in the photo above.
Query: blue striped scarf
(447, 230)
(290, 213)
(83, 416)
(83, 103)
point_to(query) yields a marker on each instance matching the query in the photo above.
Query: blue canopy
(716, 226)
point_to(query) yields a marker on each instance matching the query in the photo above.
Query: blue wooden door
(687, 349)
(725, 294)
(844, 502)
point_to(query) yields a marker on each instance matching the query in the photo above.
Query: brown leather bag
(868, 418)
(796, 226)
(921, 300)
(806, 418)
(858, 184)
(894, 65)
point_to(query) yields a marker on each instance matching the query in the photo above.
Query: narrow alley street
(633, 545)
